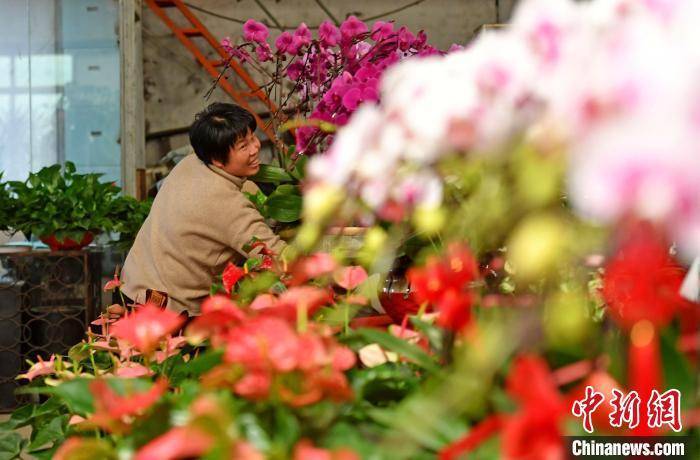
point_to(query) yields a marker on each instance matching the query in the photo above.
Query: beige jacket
(200, 220)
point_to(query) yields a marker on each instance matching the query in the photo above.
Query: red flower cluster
(147, 327)
(231, 275)
(305, 450)
(444, 284)
(305, 367)
(113, 412)
(264, 353)
(642, 282)
(535, 430)
(293, 302)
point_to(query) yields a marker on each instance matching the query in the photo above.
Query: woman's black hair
(217, 128)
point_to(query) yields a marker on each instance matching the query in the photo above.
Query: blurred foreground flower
(630, 128)
(147, 326)
(445, 284)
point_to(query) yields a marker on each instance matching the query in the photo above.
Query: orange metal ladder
(185, 35)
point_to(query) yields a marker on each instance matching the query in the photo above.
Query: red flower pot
(67, 244)
(397, 305)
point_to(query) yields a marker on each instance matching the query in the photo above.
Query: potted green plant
(127, 217)
(8, 206)
(63, 208)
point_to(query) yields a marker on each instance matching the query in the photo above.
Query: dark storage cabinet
(47, 300)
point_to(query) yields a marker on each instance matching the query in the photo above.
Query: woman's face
(243, 160)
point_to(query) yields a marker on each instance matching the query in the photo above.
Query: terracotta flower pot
(67, 244)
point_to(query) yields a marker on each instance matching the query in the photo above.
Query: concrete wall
(174, 84)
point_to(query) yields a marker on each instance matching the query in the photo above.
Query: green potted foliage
(7, 206)
(127, 216)
(63, 208)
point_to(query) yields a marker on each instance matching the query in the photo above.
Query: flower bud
(429, 220)
(566, 319)
(374, 242)
(321, 201)
(537, 246)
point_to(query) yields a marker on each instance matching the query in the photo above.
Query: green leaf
(382, 385)
(271, 174)
(678, 373)
(74, 393)
(249, 288)
(196, 367)
(432, 332)
(254, 432)
(20, 417)
(258, 199)
(49, 433)
(352, 436)
(10, 445)
(286, 428)
(400, 346)
(45, 454)
(284, 204)
(299, 170)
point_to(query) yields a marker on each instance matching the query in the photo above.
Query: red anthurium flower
(333, 383)
(179, 442)
(246, 451)
(410, 335)
(263, 301)
(642, 281)
(263, 343)
(113, 411)
(286, 305)
(305, 450)
(350, 277)
(231, 276)
(264, 250)
(266, 263)
(254, 385)
(39, 368)
(343, 358)
(305, 391)
(219, 313)
(534, 431)
(304, 298)
(130, 369)
(145, 328)
(172, 347)
(317, 351)
(112, 284)
(313, 266)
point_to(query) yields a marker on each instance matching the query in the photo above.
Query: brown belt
(158, 298)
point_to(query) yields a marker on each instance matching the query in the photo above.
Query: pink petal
(350, 277)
